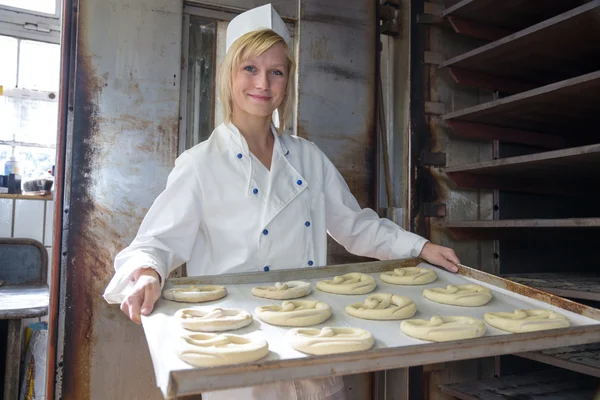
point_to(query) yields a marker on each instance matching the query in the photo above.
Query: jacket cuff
(418, 247)
(121, 285)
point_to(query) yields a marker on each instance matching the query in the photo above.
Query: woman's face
(259, 84)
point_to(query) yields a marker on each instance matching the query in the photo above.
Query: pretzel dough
(194, 294)
(352, 283)
(383, 306)
(213, 320)
(295, 313)
(283, 291)
(526, 320)
(443, 329)
(460, 295)
(211, 349)
(330, 340)
(409, 276)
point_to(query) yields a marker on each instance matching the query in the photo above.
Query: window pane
(5, 153)
(26, 120)
(200, 83)
(34, 161)
(39, 66)
(44, 6)
(10, 115)
(8, 65)
(39, 121)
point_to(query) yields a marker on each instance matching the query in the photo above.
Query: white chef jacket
(223, 212)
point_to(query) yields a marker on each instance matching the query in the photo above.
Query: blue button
(266, 268)
(307, 223)
(310, 263)
(255, 191)
(239, 155)
(299, 182)
(265, 232)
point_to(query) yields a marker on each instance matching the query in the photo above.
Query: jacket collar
(238, 139)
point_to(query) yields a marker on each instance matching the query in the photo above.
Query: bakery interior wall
(123, 66)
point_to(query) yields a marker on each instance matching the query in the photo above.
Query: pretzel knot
(327, 332)
(378, 302)
(288, 306)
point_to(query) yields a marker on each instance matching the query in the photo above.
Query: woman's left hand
(441, 256)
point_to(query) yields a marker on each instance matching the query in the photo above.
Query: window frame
(31, 25)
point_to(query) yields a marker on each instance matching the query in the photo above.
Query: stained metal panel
(123, 144)
(336, 93)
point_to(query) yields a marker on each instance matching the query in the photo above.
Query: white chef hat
(255, 19)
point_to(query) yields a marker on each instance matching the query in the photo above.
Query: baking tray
(392, 348)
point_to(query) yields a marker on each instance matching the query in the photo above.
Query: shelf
(559, 48)
(566, 108)
(510, 228)
(552, 384)
(25, 197)
(567, 171)
(512, 15)
(584, 359)
(571, 285)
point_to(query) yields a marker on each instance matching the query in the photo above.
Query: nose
(262, 81)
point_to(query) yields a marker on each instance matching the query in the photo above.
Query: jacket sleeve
(360, 230)
(167, 234)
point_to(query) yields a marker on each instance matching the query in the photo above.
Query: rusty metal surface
(122, 145)
(432, 134)
(287, 9)
(336, 93)
(531, 292)
(55, 327)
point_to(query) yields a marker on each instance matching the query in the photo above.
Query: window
(29, 76)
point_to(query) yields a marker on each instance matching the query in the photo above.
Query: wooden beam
(480, 181)
(476, 30)
(487, 81)
(435, 108)
(430, 57)
(433, 8)
(473, 130)
(584, 359)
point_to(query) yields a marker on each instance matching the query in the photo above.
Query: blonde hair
(250, 45)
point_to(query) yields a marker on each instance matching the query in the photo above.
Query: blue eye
(277, 72)
(250, 68)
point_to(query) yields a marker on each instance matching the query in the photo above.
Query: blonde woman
(251, 198)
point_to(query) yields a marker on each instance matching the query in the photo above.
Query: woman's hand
(146, 291)
(441, 256)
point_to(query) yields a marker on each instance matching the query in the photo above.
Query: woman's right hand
(146, 291)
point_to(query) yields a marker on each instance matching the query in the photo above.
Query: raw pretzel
(330, 340)
(194, 294)
(409, 276)
(460, 295)
(213, 319)
(211, 349)
(352, 283)
(295, 313)
(383, 306)
(283, 291)
(443, 329)
(526, 320)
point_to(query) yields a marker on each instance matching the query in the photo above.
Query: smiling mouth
(258, 97)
